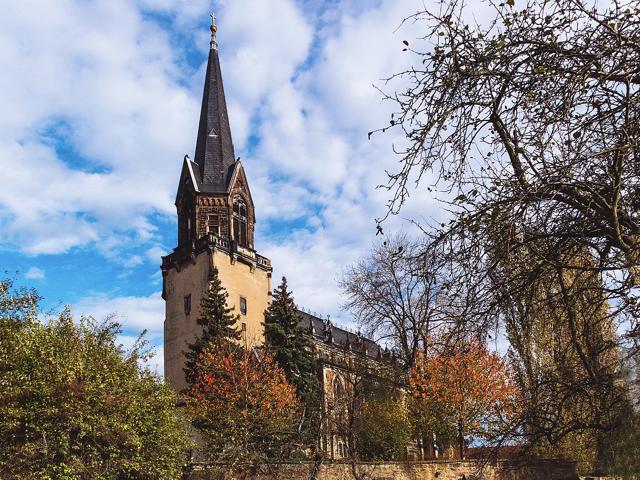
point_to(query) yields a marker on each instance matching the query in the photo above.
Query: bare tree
(394, 294)
(531, 118)
(530, 123)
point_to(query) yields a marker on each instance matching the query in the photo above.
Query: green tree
(382, 428)
(620, 447)
(289, 345)
(217, 320)
(75, 404)
(293, 351)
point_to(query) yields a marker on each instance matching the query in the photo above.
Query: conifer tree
(290, 347)
(217, 320)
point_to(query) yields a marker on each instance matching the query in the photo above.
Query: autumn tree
(564, 351)
(75, 404)
(470, 387)
(216, 319)
(293, 351)
(242, 404)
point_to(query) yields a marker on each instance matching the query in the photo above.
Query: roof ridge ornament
(214, 30)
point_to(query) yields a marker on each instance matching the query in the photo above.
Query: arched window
(338, 390)
(240, 221)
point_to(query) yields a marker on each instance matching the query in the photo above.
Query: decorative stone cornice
(188, 253)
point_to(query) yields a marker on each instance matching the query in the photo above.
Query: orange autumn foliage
(469, 387)
(241, 402)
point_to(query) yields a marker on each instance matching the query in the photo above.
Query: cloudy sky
(100, 102)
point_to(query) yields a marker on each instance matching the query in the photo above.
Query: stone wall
(434, 470)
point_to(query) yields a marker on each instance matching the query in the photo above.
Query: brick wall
(436, 470)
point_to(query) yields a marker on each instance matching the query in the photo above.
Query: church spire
(214, 147)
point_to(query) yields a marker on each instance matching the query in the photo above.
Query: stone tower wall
(190, 277)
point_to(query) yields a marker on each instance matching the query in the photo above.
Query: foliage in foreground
(526, 124)
(382, 428)
(470, 387)
(242, 404)
(620, 448)
(74, 404)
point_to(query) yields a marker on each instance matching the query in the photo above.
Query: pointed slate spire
(214, 147)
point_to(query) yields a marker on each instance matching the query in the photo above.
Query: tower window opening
(243, 305)
(240, 221)
(187, 304)
(213, 224)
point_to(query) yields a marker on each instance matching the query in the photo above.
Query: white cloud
(262, 44)
(154, 255)
(134, 313)
(299, 81)
(35, 273)
(111, 90)
(314, 160)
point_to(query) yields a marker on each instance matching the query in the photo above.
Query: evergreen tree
(292, 349)
(217, 320)
(289, 345)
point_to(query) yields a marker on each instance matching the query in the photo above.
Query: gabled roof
(214, 146)
(189, 175)
(316, 328)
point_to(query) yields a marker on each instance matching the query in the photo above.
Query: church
(216, 219)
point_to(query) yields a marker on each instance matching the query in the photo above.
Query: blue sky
(100, 102)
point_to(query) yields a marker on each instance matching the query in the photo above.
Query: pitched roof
(214, 146)
(316, 328)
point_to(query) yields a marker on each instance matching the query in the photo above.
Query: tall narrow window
(243, 305)
(187, 304)
(213, 224)
(240, 221)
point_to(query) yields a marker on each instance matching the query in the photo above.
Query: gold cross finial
(214, 29)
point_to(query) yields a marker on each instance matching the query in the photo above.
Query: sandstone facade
(436, 470)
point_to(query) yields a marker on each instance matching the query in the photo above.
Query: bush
(382, 429)
(74, 404)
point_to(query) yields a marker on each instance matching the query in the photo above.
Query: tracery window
(240, 233)
(338, 390)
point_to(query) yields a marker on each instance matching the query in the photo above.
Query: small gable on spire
(239, 185)
(189, 178)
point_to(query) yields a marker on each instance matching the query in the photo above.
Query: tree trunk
(461, 440)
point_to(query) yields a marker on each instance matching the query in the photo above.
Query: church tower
(216, 220)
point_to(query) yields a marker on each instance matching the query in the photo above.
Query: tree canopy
(392, 293)
(75, 404)
(529, 119)
(241, 403)
(524, 123)
(291, 348)
(216, 319)
(293, 351)
(470, 387)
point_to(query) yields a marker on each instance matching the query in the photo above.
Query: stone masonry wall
(435, 470)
